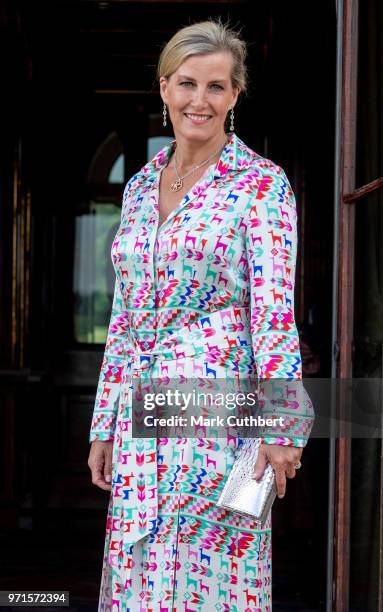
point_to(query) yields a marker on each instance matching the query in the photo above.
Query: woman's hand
(282, 458)
(100, 463)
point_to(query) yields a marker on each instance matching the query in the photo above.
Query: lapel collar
(235, 157)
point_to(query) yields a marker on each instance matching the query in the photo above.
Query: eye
(186, 83)
(216, 85)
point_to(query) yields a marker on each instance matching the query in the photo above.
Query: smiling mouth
(197, 118)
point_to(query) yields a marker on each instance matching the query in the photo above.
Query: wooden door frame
(346, 197)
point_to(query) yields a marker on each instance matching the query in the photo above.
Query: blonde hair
(201, 38)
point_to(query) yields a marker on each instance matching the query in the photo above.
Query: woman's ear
(163, 89)
(236, 92)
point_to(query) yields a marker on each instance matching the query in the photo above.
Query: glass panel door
(93, 277)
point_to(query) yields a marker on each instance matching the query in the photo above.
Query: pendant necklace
(178, 183)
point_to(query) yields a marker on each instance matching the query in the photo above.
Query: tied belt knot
(144, 360)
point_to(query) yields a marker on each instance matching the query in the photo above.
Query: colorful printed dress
(209, 294)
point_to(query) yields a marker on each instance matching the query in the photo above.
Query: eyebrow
(188, 78)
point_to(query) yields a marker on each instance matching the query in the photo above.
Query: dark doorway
(85, 107)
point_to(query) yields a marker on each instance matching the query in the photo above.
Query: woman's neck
(191, 153)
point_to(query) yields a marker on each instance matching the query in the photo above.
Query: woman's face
(199, 95)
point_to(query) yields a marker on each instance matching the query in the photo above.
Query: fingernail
(255, 475)
(108, 478)
(280, 496)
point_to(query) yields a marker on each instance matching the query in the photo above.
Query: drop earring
(232, 120)
(164, 123)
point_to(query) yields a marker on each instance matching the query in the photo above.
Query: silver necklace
(178, 183)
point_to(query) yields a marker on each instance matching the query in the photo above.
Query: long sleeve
(271, 245)
(108, 389)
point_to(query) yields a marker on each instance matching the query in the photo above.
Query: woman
(207, 239)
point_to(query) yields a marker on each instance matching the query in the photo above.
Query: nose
(199, 98)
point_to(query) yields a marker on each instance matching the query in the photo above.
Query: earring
(232, 120)
(164, 123)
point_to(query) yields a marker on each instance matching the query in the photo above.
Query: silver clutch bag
(241, 493)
